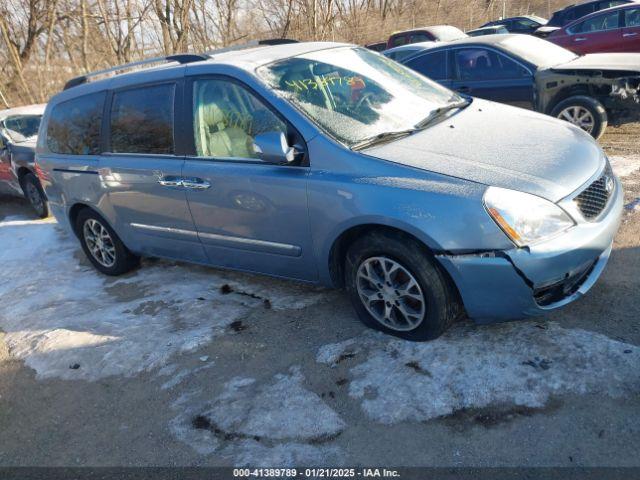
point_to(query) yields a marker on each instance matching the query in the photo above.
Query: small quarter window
(74, 126)
(142, 120)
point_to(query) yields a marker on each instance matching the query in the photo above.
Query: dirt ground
(183, 365)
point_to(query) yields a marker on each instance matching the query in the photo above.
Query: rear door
(600, 33)
(142, 168)
(631, 30)
(489, 74)
(250, 215)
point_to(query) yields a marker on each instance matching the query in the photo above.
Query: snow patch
(625, 166)
(475, 367)
(279, 411)
(277, 423)
(58, 311)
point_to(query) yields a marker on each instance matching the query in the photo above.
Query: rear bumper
(523, 282)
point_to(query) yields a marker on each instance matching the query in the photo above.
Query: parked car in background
(377, 46)
(522, 24)
(574, 12)
(331, 164)
(492, 30)
(404, 51)
(525, 71)
(436, 33)
(18, 132)
(615, 29)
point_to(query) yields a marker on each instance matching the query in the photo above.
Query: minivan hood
(503, 146)
(603, 61)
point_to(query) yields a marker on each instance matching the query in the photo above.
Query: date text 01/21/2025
(315, 473)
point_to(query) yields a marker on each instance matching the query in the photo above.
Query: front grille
(594, 198)
(567, 286)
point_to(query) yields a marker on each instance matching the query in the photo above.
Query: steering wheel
(366, 97)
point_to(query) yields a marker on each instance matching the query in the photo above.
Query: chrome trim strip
(229, 241)
(155, 228)
(247, 243)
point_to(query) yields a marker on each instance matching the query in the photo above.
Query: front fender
(444, 213)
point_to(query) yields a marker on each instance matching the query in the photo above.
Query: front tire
(584, 112)
(33, 192)
(102, 246)
(396, 287)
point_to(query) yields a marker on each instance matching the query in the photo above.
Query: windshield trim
(6, 130)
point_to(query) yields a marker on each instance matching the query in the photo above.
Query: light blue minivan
(331, 164)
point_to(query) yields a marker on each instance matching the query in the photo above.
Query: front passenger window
(227, 117)
(478, 64)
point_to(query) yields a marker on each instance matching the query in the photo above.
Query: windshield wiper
(394, 135)
(438, 112)
(381, 138)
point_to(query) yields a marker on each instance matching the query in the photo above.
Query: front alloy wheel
(584, 112)
(391, 294)
(579, 116)
(396, 286)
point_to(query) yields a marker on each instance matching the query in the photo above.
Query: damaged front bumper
(522, 282)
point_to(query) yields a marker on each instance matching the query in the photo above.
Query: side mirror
(272, 147)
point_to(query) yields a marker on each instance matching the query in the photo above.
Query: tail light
(41, 174)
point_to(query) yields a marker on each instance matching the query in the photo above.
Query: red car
(615, 29)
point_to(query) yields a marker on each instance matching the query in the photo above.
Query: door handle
(195, 183)
(580, 39)
(170, 181)
(629, 34)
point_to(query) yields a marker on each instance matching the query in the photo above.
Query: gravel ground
(183, 365)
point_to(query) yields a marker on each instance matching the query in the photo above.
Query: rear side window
(632, 17)
(599, 23)
(142, 120)
(431, 65)
(74, 126)
(399, 40)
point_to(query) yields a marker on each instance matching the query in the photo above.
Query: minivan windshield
(20, 128)
(354, 94)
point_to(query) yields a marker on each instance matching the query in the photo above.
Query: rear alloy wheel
(397, 287)
(584, 112)
(102, 246)
(34, 193)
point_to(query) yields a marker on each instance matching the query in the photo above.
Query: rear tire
(389, 303)
(584, 112)
(102, 246)
(35, 194)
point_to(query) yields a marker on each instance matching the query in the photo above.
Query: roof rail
(179, 58)
(252, 44)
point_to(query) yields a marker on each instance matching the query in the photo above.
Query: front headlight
(525, 218)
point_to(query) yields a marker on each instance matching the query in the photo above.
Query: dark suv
(18, 132)
(573, 12)
(522, 24)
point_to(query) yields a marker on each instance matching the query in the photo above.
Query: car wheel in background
(102, 246)
(395, 286)
(584, 112)
(34, 193)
